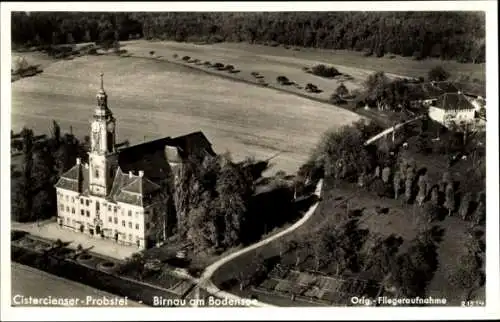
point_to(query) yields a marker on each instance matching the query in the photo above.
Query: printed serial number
(472, 303)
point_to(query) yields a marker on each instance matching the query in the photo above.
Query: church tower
(102, 155)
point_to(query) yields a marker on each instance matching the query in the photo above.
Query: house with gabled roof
(120, 193)
(452, 108)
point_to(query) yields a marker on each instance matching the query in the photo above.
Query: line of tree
(212, 199)
(446, 35)
(33, 196)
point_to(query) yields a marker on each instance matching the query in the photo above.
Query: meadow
(154, 98)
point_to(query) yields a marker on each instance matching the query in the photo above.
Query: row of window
(130, 224)
(73, 222)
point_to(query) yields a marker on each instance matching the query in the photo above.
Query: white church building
(120, 193)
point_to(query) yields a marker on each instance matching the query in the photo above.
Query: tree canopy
(445, 35)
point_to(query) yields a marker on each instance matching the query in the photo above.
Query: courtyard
(51, 230)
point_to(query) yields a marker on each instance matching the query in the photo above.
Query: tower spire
(102, 97)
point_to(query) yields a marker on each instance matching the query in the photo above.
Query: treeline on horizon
(448, 35)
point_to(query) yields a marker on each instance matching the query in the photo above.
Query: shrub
(324, 71)
(152, 52)
(229, 67)
(207, 63)
(336, 99)
(283, 80)
(312, 88)
(218, 65)
(438, 73)
(186, 58)
(342, 90)
(254, 74)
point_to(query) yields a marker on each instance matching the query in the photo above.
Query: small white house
(452, 107)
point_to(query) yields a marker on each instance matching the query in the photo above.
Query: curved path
(391, 129)
(205, 279)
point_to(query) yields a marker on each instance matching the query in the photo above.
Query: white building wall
(436, 114)
(133, 224)
(67, 208)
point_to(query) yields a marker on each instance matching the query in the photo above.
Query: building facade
(121, 194)
(452, 108)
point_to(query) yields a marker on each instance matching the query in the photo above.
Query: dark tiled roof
(193, 143)
(141, 186)
(139, 192)
(152, 157)
(121, 180)
(75, 179)
(148, 157)
(454, 101)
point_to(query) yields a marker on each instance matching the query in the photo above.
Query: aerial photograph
(248, 159)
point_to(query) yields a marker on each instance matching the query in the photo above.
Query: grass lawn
(152, 99)
(401, 66)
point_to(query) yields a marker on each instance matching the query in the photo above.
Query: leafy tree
(430, 212)
(463, 210)
(342, 154)
(449, 202)
(438, 74)
(397, 183)
(479, 214)
(341, 90)
(376, 85)
(435, 195)
(386, 174)
(422, 189)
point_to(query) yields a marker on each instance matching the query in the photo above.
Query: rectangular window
(67, 208)
(110, 219)
(129, 224)
(137, 226)
(123, 223)
(82, 212)
(88, 213)
(130, 213)
(114, 208)
(116, 220)
(129, 236)
(81, 201)
(109, 207)
(61, 206)
(72, 210)
(73, 199)
(87, 202)
(147, 225)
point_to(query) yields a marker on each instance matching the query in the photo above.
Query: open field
(151, 99)
(275, 61)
